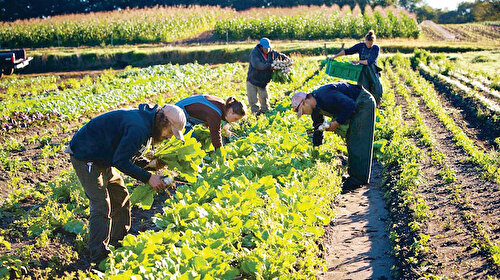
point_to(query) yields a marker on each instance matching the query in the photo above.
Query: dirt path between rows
(357, 241)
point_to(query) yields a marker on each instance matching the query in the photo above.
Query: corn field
(328, 23)
(168, 24)
(160, 24)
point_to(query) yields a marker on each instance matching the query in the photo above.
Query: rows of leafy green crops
(264, 210)
(256, 211)
(318, 26)
(108, 28)
(107, 91)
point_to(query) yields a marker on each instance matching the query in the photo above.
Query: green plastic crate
(343, 70)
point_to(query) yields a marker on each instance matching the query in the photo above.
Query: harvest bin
(343, 70)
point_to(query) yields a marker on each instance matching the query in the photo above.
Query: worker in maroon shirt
(211, 111)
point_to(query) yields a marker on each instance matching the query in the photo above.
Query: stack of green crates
(343, 70)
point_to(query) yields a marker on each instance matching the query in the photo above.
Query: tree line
(10, 10)
(478, 11)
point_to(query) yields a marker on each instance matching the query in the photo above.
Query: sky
(443, 4)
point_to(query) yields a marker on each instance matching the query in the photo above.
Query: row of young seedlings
(480, 81)
(15, 162)
(401, 160)
(448, 174)
(463, 91)
(480, 233)
(106, 92)
(474, 83)
(426, 139)
(489, 162)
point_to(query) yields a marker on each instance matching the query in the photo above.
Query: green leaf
(75, 226)
(199, 263)
(143, 196)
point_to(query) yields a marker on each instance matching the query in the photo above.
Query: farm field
(441, 173)
(137, 37)
(267, 205)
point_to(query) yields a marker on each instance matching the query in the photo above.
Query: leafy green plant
(183, 157)
(143, 196)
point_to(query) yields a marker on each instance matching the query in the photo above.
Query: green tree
(410, 5)
(486, 10)
(464, 11)
(426, 12)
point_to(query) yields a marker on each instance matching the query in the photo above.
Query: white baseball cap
(177, 119)
(297, 101)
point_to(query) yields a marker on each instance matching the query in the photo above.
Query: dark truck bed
(13, 59)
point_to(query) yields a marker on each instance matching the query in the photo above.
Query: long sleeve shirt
(333, 100)
(113, 138)
(212, 119)
(370, 54)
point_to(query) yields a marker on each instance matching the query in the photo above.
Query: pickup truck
(13, 59)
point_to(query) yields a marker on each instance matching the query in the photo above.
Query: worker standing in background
(112, 140)
(350, 104)
(368, 54)
(211, 111)
(259, 74)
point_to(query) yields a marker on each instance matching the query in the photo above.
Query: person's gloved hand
(324, 126)
(142, 162)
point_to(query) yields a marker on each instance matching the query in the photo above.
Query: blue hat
(265, 43)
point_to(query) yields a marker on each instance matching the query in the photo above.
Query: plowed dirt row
(451, 236)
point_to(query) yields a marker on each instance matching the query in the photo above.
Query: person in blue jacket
(110, 140)
(368, 53)
(348, 104)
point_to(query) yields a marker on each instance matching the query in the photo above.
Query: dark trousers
(359, 138)
(109, 206)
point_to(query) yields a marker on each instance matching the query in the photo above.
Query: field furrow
(453, 250)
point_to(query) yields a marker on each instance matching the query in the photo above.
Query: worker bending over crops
(368, 54)
(260, 73)
(349, 104)
(211, 111)
(114, 139)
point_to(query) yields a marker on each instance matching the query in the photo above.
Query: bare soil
(438, 31)
(357, 240)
